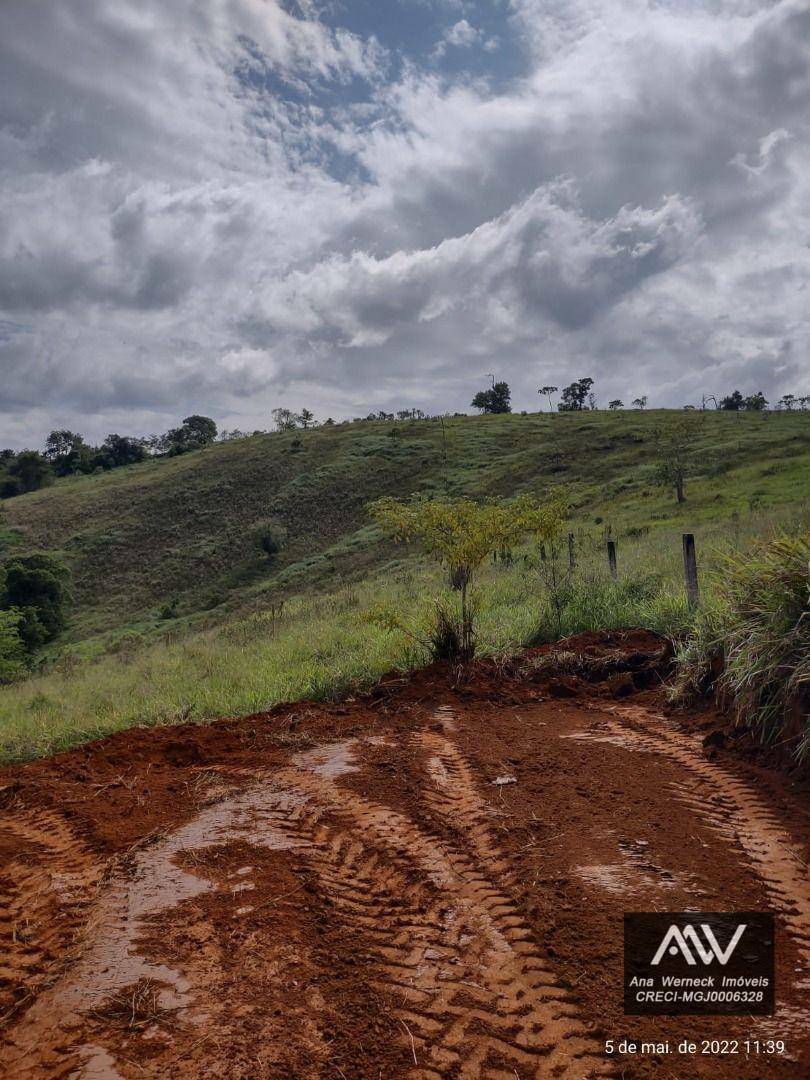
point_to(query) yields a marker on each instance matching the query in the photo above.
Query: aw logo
(679, 941)
(679, 963)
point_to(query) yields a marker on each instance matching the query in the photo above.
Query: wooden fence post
(611, 550)
(690, 570)
(571, 560)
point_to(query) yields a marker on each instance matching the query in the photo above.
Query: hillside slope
(180, 528)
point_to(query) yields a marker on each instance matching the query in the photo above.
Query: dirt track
(342, 891)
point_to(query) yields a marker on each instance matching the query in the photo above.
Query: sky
(225, 206)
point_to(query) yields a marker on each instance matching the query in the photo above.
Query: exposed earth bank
(349, 891)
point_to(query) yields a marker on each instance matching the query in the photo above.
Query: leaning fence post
(690, 570)
(571, 559)
(611, 550)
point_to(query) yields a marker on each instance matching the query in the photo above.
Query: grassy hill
(138, 538)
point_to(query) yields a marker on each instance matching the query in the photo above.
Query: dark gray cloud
(224, 206)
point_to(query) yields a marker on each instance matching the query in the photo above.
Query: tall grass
(752, 643)
(327, 646)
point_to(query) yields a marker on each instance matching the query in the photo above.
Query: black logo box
(726, 984)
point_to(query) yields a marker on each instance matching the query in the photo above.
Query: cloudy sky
(222, 206)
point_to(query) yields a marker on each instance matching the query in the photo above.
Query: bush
(12, 651)
(753, 646)
(270, 537)
(35, 586)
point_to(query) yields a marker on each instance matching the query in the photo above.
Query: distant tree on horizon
(306, 419)
(617, 403)
(548, 391)
(284, 419)
(195, 433)
(640, 402)
(733, 403)
(119, 450)
(575, 395)
(68, 453)
(495, 400)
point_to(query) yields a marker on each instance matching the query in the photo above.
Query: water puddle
(154, 883)
(636, 873)
(333, 759)
(98, 1064)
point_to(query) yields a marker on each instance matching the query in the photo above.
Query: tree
(29, 471)
(495, 400)
(787, 401)
(547, 391)
(201, 429)
(284, 419)
(195, 433)
(67, 452)
(119, 450)
(36, 586)
(461, 534)
(305, 418)
(575, 395)
(756, 402)
(640, 402)
(674, 452)
(733, 403)
(617, 403)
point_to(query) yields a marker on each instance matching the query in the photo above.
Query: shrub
(753, 645)
(270, 537)
(169, 610)
(12, 650)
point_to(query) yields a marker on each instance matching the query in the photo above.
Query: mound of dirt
(349, 891)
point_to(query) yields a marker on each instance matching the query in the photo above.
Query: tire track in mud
(452, 795)
(728, 806)
(473, 994)
(148, 882)
(46, 891)
(478, 998)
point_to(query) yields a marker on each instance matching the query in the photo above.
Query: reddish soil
(343, 890)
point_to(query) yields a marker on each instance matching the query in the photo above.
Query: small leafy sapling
(674, 452)
(461, 534)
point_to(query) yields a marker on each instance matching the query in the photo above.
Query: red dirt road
(342, 891)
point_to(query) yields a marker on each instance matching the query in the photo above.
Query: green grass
(327, 645)
(138, 537)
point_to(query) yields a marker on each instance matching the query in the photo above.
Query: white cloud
(214, 206)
